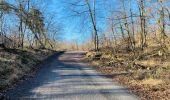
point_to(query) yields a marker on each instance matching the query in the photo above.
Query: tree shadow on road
(62, 79)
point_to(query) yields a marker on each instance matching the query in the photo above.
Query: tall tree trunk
(113, 32)
(132, 22)
(143, 32)
(121, 28)
(21, 35)
(94, 25)
(130, 40)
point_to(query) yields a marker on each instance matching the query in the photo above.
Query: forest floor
(16, 64)
(148, 75)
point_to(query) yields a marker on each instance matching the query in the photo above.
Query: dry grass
(15, 63)
(152, 82)
(149, 76)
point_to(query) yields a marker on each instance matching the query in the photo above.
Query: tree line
(31, 29)
(133, 22)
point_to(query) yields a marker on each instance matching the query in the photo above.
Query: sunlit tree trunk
(143, 32)
(132, 22)
(130, 40)
(94, 25)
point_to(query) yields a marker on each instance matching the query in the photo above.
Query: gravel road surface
(65, 77)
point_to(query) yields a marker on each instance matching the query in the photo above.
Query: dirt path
(67, 78)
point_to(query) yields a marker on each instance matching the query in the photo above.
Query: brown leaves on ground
(147, 77)
(16, 63)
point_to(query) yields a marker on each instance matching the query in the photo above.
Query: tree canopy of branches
(30, 17)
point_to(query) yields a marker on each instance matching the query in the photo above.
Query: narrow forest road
(67, 78)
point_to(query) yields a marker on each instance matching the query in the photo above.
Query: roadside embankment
(16, 64)
(146, 75)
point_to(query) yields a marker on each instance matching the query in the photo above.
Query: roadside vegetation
(134, 49)
(148, 77)
(27, 37)
(129, 40)
(18, 64)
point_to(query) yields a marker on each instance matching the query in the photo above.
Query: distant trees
(137, 22)
(126, 25)
(86, 10)
(132, 22)
(30, 19)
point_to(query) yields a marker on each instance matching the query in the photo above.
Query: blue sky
(74, 30)
(71, 25)
(79, 28)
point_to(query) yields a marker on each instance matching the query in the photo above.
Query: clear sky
(77, 28)
(70, 24)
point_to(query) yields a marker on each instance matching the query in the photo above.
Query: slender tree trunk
(143, 33)
(21, 35)
(113, 32)
(122, 31)
(94, 26)
(130, 41)
(162, 18)
(1, 27)
(132, 22)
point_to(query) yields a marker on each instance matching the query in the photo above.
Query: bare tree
(141, 5)
(93, 20)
